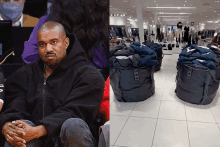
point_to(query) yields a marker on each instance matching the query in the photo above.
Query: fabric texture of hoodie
(73, 90)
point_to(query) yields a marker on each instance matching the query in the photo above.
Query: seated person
(82, 17)
(53, 101)
(13, 10)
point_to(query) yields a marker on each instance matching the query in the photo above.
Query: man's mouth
(50, 56)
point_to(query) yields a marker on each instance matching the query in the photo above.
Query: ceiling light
(214, 11)
(155, 1)
(132, 11)
(171, 7)
(185, 1)
(173, 16)
(130, 17)
(123, 14)
(172, 19)
(117, 14)
(173, 13)
(184, 5)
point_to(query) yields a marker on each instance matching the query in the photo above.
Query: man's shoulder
(23, 71)
(91, 74)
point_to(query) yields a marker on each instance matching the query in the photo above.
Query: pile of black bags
(132, 72)
(198, 75)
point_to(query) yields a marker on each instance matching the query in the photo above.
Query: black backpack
(130, 83)
(196, 84)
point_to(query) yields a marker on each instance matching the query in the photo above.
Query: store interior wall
(119, 21)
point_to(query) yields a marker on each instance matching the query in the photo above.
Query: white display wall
(114, 20)
(118, 20)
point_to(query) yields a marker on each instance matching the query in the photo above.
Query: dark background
(36, 8)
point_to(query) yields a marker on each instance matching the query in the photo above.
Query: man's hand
(30, 132)
(13, 134)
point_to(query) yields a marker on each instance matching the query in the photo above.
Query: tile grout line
(214, 118)
(120, 132)
(187, 124)
(157, 120)
(124, 124)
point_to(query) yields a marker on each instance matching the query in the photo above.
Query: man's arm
(15, 107)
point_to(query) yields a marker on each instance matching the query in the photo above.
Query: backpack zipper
(44, 85)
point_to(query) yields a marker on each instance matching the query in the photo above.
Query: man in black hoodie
(53, 101)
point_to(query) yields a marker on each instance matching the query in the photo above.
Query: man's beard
(56, 63)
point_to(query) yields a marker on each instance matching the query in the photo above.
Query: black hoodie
(73, 90)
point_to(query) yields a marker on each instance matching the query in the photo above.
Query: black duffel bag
(170, 47)
(196, 84)
(130, 83)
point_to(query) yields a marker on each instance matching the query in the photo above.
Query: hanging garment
(176, 34)
(158, 34)
(186, 33)
(179, 35)
(193, 39)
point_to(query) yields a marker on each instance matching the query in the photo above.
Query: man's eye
(42, 44)
(54, 42)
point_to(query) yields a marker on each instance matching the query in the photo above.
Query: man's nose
(49, 47)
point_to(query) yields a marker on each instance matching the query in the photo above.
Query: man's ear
(67, 42)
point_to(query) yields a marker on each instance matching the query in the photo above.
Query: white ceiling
(204, 10)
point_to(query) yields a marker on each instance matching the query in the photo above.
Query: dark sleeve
(14, 107)
(2, 85)
(83, 103)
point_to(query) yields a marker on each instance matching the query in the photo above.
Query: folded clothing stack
(199, 55)
(148, 57)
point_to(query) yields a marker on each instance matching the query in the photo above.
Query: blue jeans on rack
(74, 133)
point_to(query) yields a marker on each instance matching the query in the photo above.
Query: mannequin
(179, 30)
(186, 33)
(192, 37)
(158, 30)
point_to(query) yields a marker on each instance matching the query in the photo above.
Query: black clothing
(73, 90)
(179, 25)
(186, 33)
(158, 34)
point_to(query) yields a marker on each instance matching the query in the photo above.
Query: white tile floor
(163, 120)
